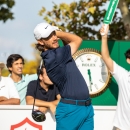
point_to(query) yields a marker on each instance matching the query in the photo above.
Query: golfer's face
(50, 42)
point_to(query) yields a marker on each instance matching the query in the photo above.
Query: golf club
(37, 115)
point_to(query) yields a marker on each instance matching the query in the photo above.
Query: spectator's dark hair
(39, 47)
(40, 71)
(127, 54)
(12, 58)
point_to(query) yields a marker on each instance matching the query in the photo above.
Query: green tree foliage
(5, 10)
(84, 18)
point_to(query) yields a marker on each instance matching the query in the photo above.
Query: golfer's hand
(2, 98)
(52, 108)
(104, 30)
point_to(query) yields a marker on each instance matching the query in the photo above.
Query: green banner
(110, 11)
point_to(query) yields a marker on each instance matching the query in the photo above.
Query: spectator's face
(44, 78)
(50, 42)
(128, 60)
(17, 67)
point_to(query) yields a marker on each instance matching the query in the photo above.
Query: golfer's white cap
(43, 30)
(2, 65)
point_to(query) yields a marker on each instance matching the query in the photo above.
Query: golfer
(74, 111)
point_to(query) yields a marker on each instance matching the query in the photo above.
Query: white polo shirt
(7, 88)
(122, 115)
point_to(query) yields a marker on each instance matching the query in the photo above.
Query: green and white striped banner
(110, 11)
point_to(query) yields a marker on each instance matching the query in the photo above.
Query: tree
(5, 10)
(30, 67)
(124, 6)
(84, 18)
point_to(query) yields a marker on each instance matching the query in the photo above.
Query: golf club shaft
(37, 83)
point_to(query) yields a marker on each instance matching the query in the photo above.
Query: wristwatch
(94, 70)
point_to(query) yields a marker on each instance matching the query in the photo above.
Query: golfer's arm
(73, 40)
(65, 42)
(105, 54)
(39, 103)
(55, 102)
(11, 101)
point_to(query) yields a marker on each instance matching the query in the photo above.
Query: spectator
(8, 92)
(47, 95)
(15, 64)
(122, 76)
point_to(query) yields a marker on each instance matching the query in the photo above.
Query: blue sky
(16, 35)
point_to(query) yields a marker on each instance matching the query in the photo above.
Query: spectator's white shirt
(122, 116)
(7, 88)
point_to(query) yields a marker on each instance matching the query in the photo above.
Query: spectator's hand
(104, 30)
(52, 108)
(2, 98)
(42, 109)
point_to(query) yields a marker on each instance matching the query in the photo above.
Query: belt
(76, 102)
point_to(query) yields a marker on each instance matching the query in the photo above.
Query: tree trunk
(125, 16)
